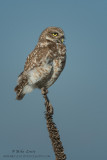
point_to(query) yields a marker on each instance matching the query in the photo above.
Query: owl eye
(54, 34)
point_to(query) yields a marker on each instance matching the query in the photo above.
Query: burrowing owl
(44, 64)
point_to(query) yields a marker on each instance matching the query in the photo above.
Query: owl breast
(58, 65)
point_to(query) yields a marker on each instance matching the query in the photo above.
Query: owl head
(54, 34)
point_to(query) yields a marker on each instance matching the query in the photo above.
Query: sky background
(79, 96)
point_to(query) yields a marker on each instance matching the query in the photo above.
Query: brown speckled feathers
(44, 64)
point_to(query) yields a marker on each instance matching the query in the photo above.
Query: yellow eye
(54, 34)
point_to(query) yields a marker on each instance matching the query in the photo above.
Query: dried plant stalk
(52, 129)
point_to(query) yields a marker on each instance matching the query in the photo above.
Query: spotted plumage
(44, 64)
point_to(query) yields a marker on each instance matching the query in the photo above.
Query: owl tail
(22, 82)
(19, 92)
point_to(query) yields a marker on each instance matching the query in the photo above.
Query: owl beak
(62, 40)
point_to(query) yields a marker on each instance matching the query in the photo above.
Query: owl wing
(37, 57)
(37, 70)
(39, 66)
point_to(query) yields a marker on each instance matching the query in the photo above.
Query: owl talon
(44, 91)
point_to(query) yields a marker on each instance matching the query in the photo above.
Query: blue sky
(79, 96)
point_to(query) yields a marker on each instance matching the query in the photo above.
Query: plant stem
(52, 129)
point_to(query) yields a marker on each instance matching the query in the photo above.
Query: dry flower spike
(52, 129)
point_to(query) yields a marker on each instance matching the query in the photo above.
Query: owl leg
(44, 91)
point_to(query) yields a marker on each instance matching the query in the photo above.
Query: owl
(44, 64)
